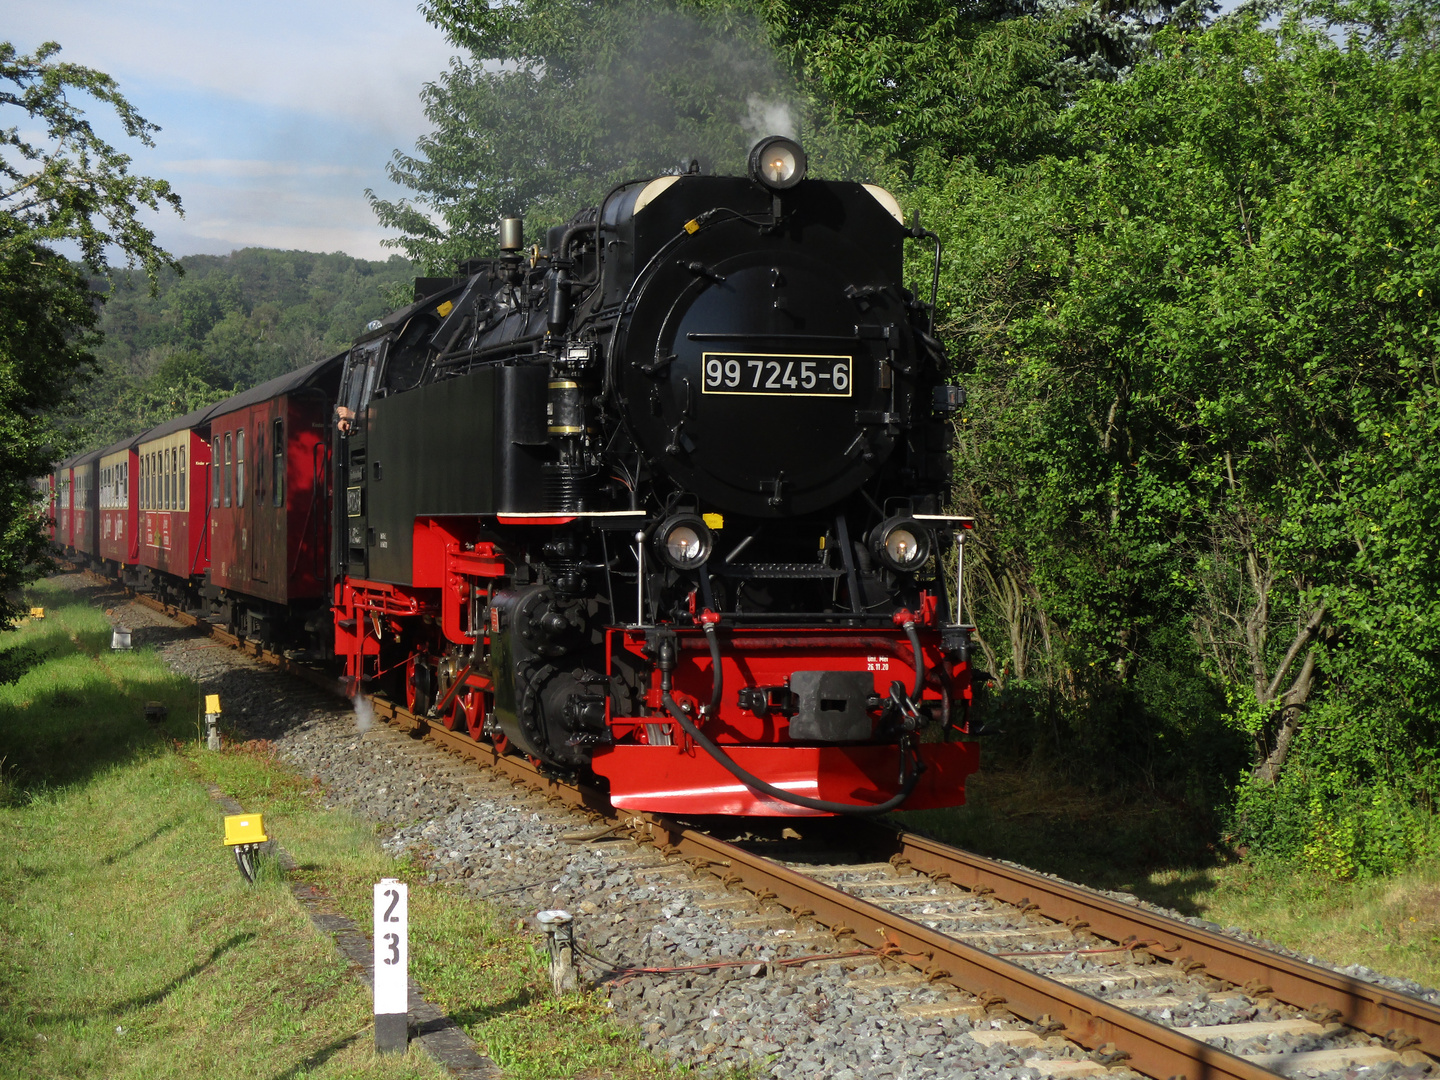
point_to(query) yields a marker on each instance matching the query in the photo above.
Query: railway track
(1079, 981)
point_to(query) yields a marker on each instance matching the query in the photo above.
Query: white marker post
(392, 963)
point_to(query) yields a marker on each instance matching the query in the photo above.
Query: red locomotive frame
(651, 763)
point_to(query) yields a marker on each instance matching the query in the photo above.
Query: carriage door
(243, 501)
(265, 531)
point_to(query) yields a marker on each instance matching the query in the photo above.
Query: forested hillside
(228, 322)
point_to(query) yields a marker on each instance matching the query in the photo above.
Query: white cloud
(362, 61)
(239, 167)
(279, 214)
(275, 115)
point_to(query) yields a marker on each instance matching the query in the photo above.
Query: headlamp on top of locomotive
(778, 162)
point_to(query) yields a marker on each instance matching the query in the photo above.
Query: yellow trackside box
(244, 829)
(37, 612)
(212, 703)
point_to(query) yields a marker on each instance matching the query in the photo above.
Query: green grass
(1159, 853)
(131, 947)
(471, 958)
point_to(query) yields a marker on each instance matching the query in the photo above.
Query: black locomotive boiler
(662, 497)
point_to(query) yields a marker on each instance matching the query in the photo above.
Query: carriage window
(278, 449)
(170, 482)
(166, 502)
(229, 466)
(215, 471)
(145, 481)
(182, 478)
(240, 468)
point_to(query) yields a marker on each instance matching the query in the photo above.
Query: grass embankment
(131, 947)
(1155, 852)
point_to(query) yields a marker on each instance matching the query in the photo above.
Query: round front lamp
(684, 541)
(901, 544)
(777, 162)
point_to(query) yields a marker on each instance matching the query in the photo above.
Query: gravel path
(839, 1019)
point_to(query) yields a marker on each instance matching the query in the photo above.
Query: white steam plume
(767, 117)
(364, 714)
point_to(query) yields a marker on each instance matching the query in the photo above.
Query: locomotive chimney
(512, 234)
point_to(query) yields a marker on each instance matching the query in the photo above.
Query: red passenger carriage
(269, 505)
(85, 507)
(172, 471)
(119, 507)
(63, 519)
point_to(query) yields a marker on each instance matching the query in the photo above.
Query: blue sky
(275, 116)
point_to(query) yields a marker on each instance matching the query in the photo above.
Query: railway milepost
(392, 962)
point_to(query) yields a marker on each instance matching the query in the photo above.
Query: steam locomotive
(659, 497)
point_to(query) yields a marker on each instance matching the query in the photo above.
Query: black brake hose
(717, 677)
(914, 636)
(750, 780)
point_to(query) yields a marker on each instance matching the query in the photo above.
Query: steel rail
(1359, 1005)
(1150, 1048)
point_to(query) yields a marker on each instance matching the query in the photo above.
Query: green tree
(562, 98)
(68, 187)
(931, 81)
(1199, 335)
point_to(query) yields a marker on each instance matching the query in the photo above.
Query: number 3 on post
(392, 962)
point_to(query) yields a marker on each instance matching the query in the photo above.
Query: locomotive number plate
(769, 374)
